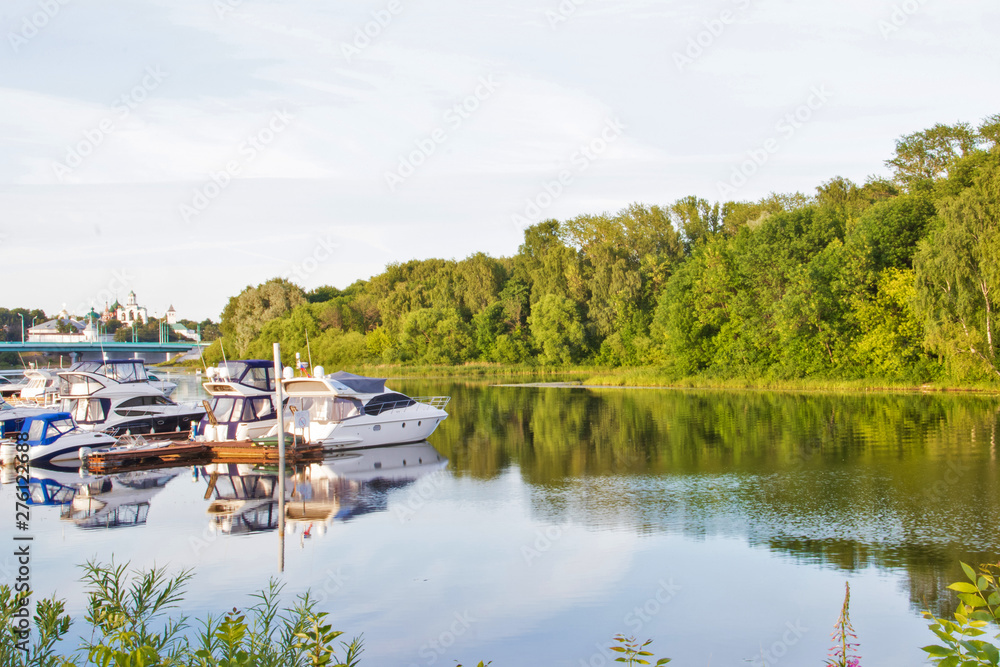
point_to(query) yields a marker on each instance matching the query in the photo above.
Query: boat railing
(405, 403)
(434, 401)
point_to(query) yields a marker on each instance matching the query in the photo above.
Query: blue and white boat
(54, 439)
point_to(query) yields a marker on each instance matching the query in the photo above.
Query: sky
(185, 149)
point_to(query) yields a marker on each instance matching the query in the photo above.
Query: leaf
(934, 649)
(963, 587)
(969, 572)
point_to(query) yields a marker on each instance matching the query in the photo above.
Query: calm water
(539, 522)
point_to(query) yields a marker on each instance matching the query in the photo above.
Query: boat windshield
(122, 371)
(56, 427)
(85, 411)
(252, 375)
(324, 409)
(222, 407)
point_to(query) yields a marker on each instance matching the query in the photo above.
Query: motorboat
(343, 410)
(11, 384)
(12, 418)
(42, 386)
(117, 398)
(166, 386)
(53, 439)
(242, 403)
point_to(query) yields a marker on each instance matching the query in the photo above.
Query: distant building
(78, 331)
(171, 315)
(131, 312)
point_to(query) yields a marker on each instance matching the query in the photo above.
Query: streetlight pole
(22, 326)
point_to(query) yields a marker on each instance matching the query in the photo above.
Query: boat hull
(389, 428)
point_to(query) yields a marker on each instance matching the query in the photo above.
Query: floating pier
(181, 454)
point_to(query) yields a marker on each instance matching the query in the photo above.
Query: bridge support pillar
(74, 357)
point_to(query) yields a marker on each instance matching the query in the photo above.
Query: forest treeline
(896, 279)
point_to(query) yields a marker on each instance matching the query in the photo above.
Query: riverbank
(649, 377)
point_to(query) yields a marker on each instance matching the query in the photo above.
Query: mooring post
(280, 407)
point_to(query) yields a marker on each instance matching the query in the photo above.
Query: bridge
(111, 350)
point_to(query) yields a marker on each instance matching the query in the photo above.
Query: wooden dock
(189, 453)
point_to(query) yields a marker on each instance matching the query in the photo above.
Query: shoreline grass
(648, 377)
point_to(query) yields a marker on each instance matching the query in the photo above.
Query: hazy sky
(185, 149)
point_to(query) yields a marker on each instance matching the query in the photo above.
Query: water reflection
(343, 487)
(894, 481)
(117, 501)
(88, 501)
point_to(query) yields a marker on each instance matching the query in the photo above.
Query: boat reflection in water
(117, 501)
(343, 486)
(112, 501)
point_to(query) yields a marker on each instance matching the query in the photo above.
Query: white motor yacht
(343, 410)
(116, 398)
(242, 404)
(12, 382)
(42, 387)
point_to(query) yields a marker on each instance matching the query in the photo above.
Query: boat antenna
(23, 365)
(309, 352)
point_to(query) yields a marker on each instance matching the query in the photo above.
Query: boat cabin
(120, 370)
(254, 373)
(46, 428)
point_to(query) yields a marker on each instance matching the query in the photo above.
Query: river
(539, 522)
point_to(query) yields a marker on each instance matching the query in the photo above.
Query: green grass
(650, 376)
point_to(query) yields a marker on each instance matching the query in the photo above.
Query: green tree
(958, 277)
(246, 314)
(929, 154)
(436, 336)
(557, 330)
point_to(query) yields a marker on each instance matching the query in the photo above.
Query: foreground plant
(634, 653)
(845, 647)
(126, 614)
(978, 608)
